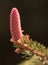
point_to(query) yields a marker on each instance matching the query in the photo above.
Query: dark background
(34, 20)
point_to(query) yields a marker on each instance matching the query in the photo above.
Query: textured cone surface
(15, 26)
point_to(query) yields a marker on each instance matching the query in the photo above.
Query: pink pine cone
(15, 25)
